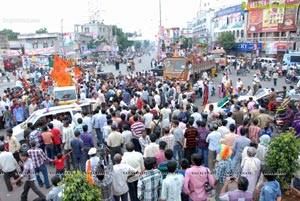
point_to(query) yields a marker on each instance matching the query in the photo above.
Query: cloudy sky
(26, 16)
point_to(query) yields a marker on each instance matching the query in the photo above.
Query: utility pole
(62, 34)
(159, 13)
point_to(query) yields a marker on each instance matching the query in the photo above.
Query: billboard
(229, 18)
(272, 16)
(69, 39)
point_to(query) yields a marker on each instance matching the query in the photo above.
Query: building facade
(276, 25)
(98, 30)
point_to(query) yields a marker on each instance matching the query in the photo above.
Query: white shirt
(88, 121)
(157, 99)
(213, 139)
(136, 161)
(7, 162)
(223, 130)
(121, 173)
(151, 149)
(148, 117)
(57, 124)
(127, 135)
(229, 122)
(197, 117)
(172, 187)
(239, 84)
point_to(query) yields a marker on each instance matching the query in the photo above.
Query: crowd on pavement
(145, 139)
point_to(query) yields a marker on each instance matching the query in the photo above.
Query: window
(233, 33)
(242, 33)
(283, 34)
(86, 30)
(276, 34)
(238, 33)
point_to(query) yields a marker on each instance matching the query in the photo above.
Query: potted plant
(77, 188)
(282, 155)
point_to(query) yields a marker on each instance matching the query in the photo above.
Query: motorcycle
(292, 79)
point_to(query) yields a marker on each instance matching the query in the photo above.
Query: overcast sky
(26, 16)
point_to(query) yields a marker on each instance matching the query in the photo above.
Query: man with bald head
(136, 161)
(121, 173)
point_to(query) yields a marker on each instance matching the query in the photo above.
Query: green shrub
(281, 157)
(77, 188)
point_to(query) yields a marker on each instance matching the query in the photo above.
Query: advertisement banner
(69, 39)
(272, 16)
(255, 21)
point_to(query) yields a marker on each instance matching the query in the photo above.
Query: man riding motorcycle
(288, 118)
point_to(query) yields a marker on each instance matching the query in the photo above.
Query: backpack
(157, 128)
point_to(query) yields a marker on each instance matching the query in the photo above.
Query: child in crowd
(60, 164)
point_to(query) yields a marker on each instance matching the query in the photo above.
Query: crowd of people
(144, 139)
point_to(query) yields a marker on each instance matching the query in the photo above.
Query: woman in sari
(296, 122)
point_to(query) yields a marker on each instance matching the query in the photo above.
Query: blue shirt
(77, 145)
(270, 191)
(266, 132)
(87, 139)
(18, 113)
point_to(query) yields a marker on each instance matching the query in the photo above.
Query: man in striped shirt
(137, 129)
(190, 134)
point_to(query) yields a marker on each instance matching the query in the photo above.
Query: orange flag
(25, 82)
(77, 72)
(43, 85)
(59, 73)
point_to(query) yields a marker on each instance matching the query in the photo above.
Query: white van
(231, 58)
(46, 115)
(266, 60)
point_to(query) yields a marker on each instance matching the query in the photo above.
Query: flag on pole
(26, 84)
(43, 85)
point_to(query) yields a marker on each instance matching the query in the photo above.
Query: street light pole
(62, 34)
(160, 13)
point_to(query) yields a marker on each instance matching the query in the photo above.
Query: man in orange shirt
(48, 141)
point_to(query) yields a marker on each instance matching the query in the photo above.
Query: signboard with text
(272, 16)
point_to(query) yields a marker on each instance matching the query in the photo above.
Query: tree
(11, 35)
(282, 154)
(226, 40)
(137, 44)
(78, 188)
(122, 38)
(41, 30)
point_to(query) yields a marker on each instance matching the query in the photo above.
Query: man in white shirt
(166, 116)
(213, 140)
(197, 116)
(136, 161)
(223, 129)
(121, 173)
(152, 148)
(148, 117)
(229, 120)
(57, 124)
(239, 83)
(172, 184)
(87, 120)
(157, 98)
(9, 167)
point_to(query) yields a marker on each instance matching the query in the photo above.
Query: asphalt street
(145, 65)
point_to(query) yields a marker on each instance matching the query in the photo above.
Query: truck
(220, 57)
(182, 68)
